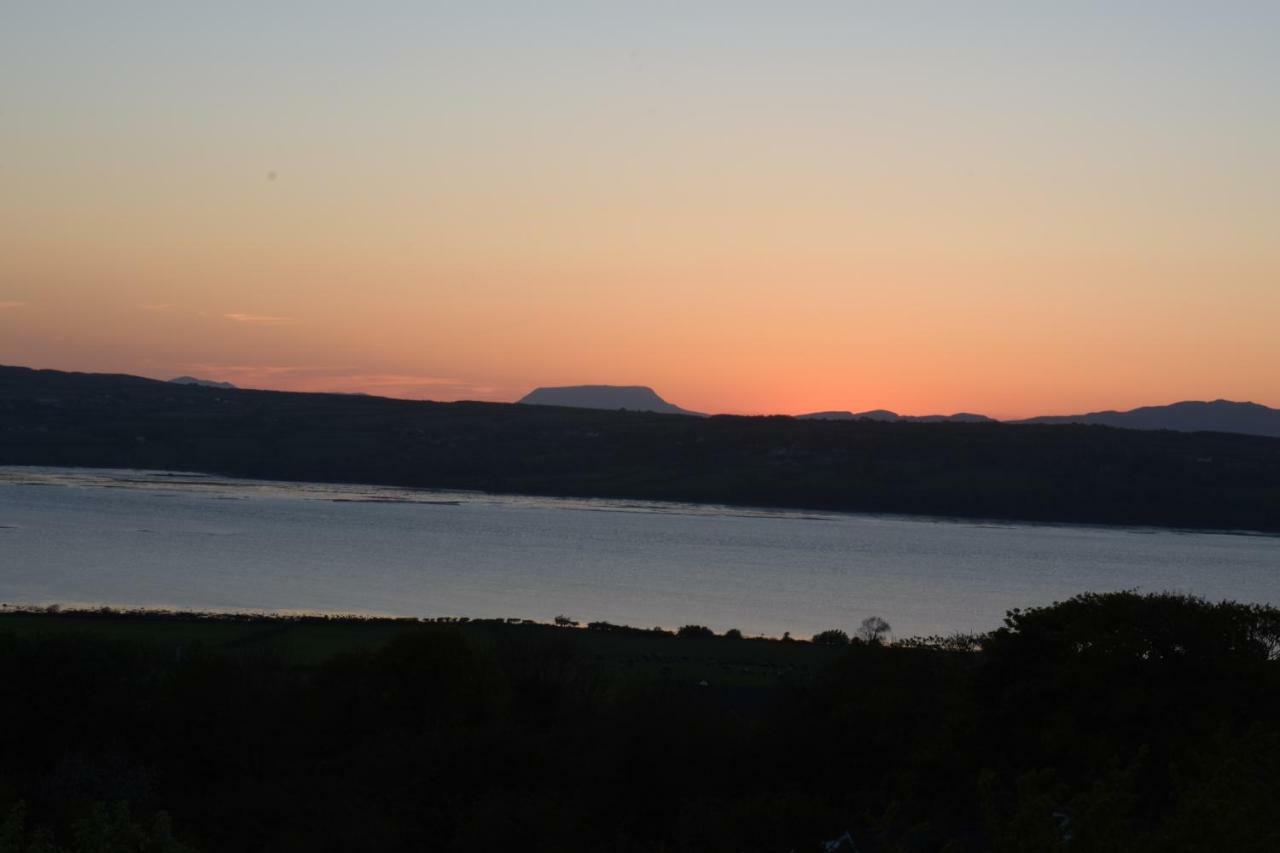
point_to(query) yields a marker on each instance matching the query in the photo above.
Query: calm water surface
(78, 536)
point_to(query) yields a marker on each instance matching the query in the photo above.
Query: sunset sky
(1010, 208)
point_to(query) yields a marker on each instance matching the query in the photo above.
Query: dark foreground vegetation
(1105, 723)
(1067, 473)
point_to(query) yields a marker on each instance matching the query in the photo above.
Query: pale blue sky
(588, 165)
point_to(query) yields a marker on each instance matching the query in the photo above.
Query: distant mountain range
(894, 417)
(633, 398)
(204, 383)
(1188, 416)
(642, 398)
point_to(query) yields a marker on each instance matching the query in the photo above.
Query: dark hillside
(1069, 473)
(1187, 416)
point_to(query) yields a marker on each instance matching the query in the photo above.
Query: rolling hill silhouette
(893, 417)
(205, 383)
(1187, 416)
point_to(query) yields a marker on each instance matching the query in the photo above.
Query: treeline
(1039, 473)
(154, 614)
(1115, 722)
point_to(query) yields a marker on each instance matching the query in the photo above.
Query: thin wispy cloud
(157, 307)
(4, 306)
(399, 380)
(262, 319)
(256, 369)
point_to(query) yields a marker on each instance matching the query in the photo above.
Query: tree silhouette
(873, 629)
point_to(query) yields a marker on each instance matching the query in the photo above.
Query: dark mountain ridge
(207, 383)
(1069, 473)
(893, 417)
(1187, 416)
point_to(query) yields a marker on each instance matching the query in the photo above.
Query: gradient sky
(1012, 208)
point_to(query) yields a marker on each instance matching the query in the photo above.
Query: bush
(695, 631)
(733, 634)
(833, 637)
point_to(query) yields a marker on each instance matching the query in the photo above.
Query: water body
(131, 538)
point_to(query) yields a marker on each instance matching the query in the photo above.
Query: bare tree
(873, 629)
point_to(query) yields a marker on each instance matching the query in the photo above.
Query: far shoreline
(638, 504)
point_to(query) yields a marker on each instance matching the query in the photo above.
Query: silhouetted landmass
(1109, 723)
(893, 417)
(1071, 473)
(1189, 416)
(632, 398)
(207, 383)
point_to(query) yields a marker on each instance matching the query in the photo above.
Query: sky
(1010, 208)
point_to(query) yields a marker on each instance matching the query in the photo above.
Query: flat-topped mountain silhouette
(893, 417)
(634, 398)
(204, 383)
(1187, 416)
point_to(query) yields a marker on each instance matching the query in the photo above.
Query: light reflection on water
(196, 541)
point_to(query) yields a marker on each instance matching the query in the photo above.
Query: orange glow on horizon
(749, 210)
